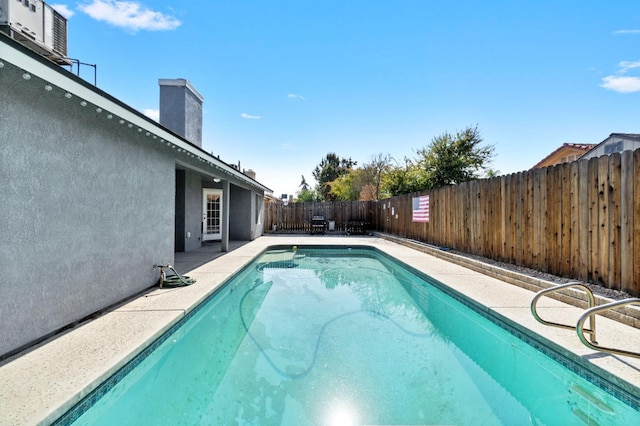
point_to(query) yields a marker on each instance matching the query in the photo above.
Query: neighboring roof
(628, 136)
(186, 153)
(270, 198)
(585, 147)
(633, 136)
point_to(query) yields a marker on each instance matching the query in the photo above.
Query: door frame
(205, 194)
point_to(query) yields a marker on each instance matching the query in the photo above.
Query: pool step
(592, 399)
(597, 410)
(584, 417)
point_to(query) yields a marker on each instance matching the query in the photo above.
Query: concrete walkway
(188, 261)
(43, 383)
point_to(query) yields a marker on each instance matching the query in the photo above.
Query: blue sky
(286, 82)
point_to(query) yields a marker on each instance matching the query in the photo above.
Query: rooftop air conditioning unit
(36, 25)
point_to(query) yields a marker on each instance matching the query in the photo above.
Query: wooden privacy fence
(579, 220)
(297, 216)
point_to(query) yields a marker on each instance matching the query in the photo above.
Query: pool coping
(629, 315)
(47, 381)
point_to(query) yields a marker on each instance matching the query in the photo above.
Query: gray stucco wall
(181, 111)
(193, 124)
(240, 223)
(87, 210)
(193, 211)
(246, 213)
(180, 211)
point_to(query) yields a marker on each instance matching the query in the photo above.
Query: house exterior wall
(193, 210)
(564, 155)
(87, 210)
(247, 210)
(240, 211)
(93, 195)
(614, 143)
(180, 228)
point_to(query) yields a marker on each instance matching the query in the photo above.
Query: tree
(489, 173)
(368, 193)
(402, 179)
(361, 183)
(304, 186)
(330, 168)
(375, 169)
(349, 187)
(452, 159)
(307, 195)
(344, 188)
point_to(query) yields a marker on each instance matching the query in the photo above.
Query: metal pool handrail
(592, 303)
(590, 313)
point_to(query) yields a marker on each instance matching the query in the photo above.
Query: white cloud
(294, 96)
(622, 84)
(618, 32)
(625, 66)
(130, 15)
(250, 117)
(63, 10)
(152, 113)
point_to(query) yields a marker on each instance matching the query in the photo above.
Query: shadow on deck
(190, 260)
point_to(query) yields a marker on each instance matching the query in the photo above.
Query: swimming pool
(328, 336)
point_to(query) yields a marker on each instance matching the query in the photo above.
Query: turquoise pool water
(341, 337)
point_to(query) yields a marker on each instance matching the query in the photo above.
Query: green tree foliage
(362, 183)
(375, 169)
(342, 189)
(402, 179)
(349, 186)
(455, 159)
(330, 168)
(307, 195)
(447, 160)
(489, 173)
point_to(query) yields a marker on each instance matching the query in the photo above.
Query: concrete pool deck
(40, 385)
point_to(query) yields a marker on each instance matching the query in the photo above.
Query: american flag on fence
(421, 208)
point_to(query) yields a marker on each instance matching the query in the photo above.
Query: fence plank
(603, 219)
(520, 219)
(613, 189)
(626, 220)
(583, 221)
(528, 230)
(477, 203)
(538, 218)
(564, 261)
(634, 286)
(574, 220)
(544, 263)
(594, 224)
